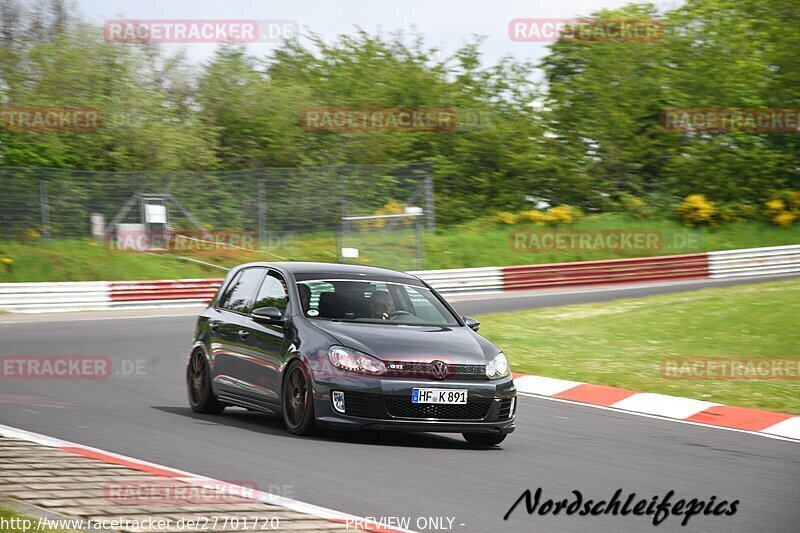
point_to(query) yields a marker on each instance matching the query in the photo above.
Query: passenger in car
(305, 296)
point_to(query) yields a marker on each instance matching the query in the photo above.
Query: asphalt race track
(558, 446)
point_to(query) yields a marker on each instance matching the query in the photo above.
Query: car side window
(239, 296)
(272, 293)
(222, 303)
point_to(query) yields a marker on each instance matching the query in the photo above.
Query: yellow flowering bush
(784, 219)
(535, 216)
(560, 214)
(695, 209)
(392, 207)
(563, 214)
(784, 209)
(505, 217)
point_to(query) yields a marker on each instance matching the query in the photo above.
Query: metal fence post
(262, 216)
(420, 230)
(45, 203)
(344, 207)
(430, 210)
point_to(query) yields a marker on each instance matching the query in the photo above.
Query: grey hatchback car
(348, 347)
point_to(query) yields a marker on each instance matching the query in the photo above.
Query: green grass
(78, 260)
(470, 245)
(620, 343)
(475, 245)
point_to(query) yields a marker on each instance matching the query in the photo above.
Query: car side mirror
(270, 315)
(471, 323)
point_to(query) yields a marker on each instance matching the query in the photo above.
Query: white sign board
(350, 253)
(155, 213)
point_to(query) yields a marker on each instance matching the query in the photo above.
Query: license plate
(446, 396)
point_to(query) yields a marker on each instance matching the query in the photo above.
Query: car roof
(303, 270)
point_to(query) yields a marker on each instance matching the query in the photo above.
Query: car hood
(454, 345)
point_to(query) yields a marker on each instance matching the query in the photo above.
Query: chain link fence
(271, 204)
(391, 239)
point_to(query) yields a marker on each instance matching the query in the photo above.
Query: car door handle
(243, 334)
(213, 326)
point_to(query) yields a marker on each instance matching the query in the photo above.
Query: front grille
(418, 370)
(504, 412)
(364, 405)
(475, 409)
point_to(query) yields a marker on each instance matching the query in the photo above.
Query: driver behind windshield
(381, 304)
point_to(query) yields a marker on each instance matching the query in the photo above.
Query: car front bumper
(385, 404)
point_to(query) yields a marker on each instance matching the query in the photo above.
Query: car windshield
(373, 302)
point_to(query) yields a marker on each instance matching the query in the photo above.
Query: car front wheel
(297, 399)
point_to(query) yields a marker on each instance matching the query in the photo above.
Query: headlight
(498, 367)
(355, 361)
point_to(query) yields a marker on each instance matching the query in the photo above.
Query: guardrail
(66, 296)
(666, 268)
(98, 295)
(463, 280)
(754, 261)
(188, 290)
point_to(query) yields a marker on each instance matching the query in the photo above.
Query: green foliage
(144, 98)
(635, 206)
(589, 136)
(606, 100)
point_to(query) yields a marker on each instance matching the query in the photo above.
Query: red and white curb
(765, 423)
(352, 521)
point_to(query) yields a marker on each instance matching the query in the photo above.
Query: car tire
(297, 400)
(484, 439)
(198, 386)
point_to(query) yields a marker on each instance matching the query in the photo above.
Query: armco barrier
(67, 296)
(665, 268)
(41, 297)
(185, 290)
(754, 261)
(464, 280)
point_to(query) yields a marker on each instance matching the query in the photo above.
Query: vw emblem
(438, 369)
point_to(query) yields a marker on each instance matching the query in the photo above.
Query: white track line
(657, 417)
(188, 477)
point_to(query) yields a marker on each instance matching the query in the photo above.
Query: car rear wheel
(198, 383)
(298, 404)
(484, 439)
